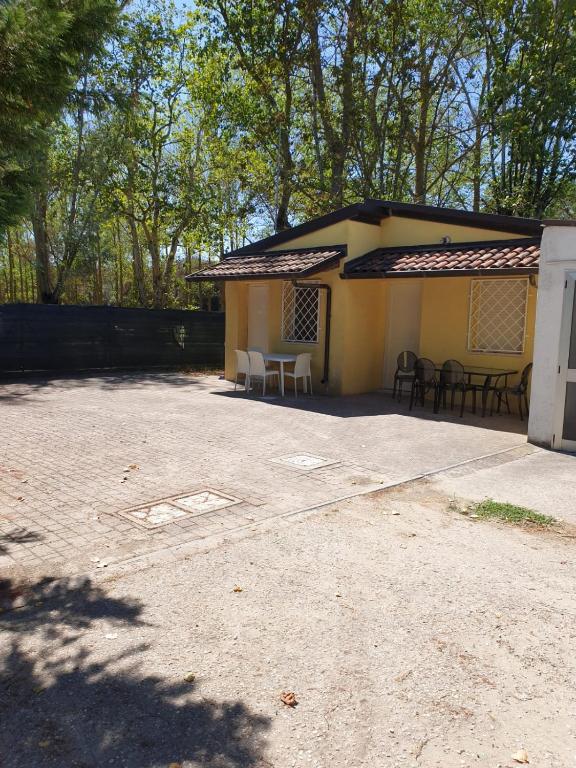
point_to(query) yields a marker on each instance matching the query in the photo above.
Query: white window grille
(300, 313)
(497, 319)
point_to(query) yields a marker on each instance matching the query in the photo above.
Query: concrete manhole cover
(303, 461)
(155, 515)
(170, 510)
(206, 501)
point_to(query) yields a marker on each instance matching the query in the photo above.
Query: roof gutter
(486, 272)
(328, 316)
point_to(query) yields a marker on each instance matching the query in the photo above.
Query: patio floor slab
(76, 452)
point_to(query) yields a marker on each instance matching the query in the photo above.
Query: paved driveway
(76, 453)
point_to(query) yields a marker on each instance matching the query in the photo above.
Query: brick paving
(75, 452)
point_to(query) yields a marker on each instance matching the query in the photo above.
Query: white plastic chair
(301, 371)
(258, 369)
(242, 366)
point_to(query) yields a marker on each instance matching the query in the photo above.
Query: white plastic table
(274, 357)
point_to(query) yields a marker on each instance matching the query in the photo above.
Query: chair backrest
(302, 364)
(406, 361)
(452, 373)
(524, 376)
(257, 364)
(425, 370)
(242, 361)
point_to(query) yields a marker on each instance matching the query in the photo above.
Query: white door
(403, 324)
(258, 317)
(565, 436)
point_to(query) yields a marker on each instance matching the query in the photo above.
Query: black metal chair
(424, 380)
(405, 363)
(520, 390)
(453, 379)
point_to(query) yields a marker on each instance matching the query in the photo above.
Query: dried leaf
(521, 756)
(419, 747)
(44, 743)
(175, 765)
(288, 698)
(237, 589)
(190, 677)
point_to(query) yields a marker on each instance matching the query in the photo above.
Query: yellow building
(358, 286)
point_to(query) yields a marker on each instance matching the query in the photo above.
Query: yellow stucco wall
(396, 230)
(444, 325)
(359, 238)
(236, 334)
(359, 308)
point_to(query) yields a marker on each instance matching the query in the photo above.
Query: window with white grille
(497, 319)
(300, 311)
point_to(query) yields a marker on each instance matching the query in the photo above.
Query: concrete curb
(175, 553)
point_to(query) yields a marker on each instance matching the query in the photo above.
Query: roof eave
(487, 272)
(372, 211)
(494, 221)
(198, 277)
(367, 212)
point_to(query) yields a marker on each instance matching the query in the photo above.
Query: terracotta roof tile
(521, 254)
(297, 262)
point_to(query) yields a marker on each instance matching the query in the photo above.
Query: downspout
(328, 289)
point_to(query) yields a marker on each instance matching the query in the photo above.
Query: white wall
(557, 259)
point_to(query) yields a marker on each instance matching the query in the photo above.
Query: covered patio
(473, 303)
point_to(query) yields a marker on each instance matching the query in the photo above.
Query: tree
(263, 40)
(190, 132)
(156, 183)
(530, 48)
(43, 44)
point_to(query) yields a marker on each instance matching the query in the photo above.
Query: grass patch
(508, 513)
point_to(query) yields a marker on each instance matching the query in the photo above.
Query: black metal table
(489, 374)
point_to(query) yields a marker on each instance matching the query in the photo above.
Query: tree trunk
(137, 264)
(23, 292)
(11, 278)
(44, 284)
(98, 287)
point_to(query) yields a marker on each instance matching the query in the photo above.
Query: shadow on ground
(378, 404)
(62, 704)
(12, 539)
(21, 387)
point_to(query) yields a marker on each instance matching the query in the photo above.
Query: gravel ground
(411, 636)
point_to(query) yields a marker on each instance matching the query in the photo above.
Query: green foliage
(531, 109)
(42, 46)
(189, 132)
(509, 513)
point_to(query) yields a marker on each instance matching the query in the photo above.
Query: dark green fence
(35, 337)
